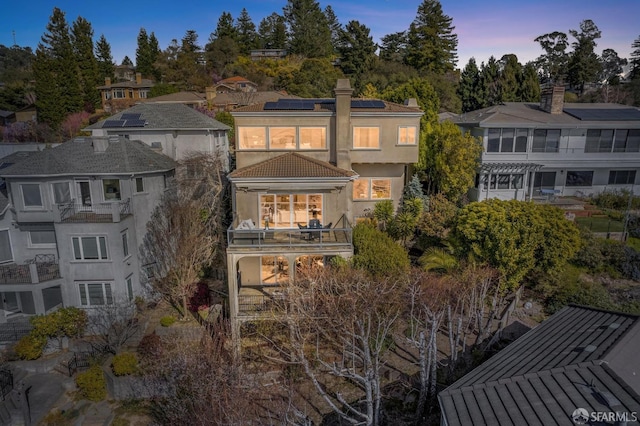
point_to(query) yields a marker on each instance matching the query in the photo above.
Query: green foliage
(383, 211)
(106, 67)
(376, 252)
(438, 259)
(162, 89)
(92, 384)
(357, 52)
(516, 237)
(316, 78)
(69, 322)
(616, 200)
(438, 219)
(124, 364)
(225, 117)
(167, 321)
(89, 79)
(308, 29)
(30, 347)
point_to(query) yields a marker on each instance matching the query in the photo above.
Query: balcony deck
(269, 238)
(96, 213)
(29, 273)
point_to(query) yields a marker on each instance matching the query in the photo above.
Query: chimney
(340, 152)
(100, 144)
(552, 99)
(411, 103)
(210, 94)
(138, 78)
(107, 81)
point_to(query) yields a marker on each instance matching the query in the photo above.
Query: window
(579, 178)
(366, 137)
(627, 141)
(125, 244)
(507, 140)
(289, 210)
(544, 180)
(503, 181)
(118, 93)
(599, 140)
(61, 192)
(407, 135)
(546, 140)
(42, 238)
(139, 185)
(95, 294)
(31, 195)
(282, 138)
(6, 254)
(89, 248)
(372, 189)
(142, 94)
(252, 138)
(111, 189)
(131, 93)
(130, 287)
(274, 270)
(313, 137)
(622, 177)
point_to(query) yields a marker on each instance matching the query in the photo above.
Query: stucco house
(120, 95)
(170, 128)
(71, 220)
(554, 147)
(307, 169)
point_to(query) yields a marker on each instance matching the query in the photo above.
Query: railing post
(115, 212)
(33, 272)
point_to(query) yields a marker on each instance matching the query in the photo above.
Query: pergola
(490, 169)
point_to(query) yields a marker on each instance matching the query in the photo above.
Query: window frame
(369, 181)
(630, 177)
(242, 136)
(599, 143)
(310, 148)
(102, 257)
(124, 238)
(577, 179)
(635, 139)
(513, 181)
(117, 197)
(85, 297)
(129, 283)
(407, 136)
(288, 145)
(135, 185)
(546, 140)
(119, 94)
(10, 246)
(24, 200)
(364, 148)
(496, 143)
(31, 244)
(53, 192)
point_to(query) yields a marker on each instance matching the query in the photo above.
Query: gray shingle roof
(565, 363)
(78, 157)
(167, 116)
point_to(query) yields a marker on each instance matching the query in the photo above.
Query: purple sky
(493, 27)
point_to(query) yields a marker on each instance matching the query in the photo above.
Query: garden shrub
(617, 200)
(200, 297)
(631, 264)
(376, 252)
(124, 364)
(150, 346)
(92, 384)
(30, 347)
(69, 322)
(167, 321)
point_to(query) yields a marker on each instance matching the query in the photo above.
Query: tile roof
(291, 165)
(78, 157)
(128, 84)
(567, 362)
(329, 105)
(167, 116)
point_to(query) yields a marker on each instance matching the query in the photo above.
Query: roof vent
(590, 348)
(614, 325)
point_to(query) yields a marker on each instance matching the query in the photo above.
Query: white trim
(100, 254)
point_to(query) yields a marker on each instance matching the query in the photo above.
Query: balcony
(40, 269)
(96, 213)
(329, 237)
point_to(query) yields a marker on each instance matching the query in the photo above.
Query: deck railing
(34, 271)
(97, 212)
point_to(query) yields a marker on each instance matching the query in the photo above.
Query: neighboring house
(173, 129)
(72, 221)
(260, 54)
(303, 159)
(233, 84)
(125, 73)
(26, 114)
(230, 100)
(121, 95)
(7, 117)
(190, 99)
(566, 149)
(581, 361)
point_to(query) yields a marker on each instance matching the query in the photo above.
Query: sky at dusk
(493, 27)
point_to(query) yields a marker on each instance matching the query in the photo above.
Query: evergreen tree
(357, 52)
(394, 47)
(510, 78)
(56, 73)
(470, 90)
(489, 82)
(82, 36)
(191, 74)
(584, 64)
(431, 43)
(309, 32)
(225, 28)
(154, 52)
(334, 27)
(272, 32)
(529, 90)
(635, 59)
(611, 67)
(247, 36)
(106, 67)
(126, 61)
(554, 62)
(144, 55)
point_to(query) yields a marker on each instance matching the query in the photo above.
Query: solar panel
(130, 116)
(290, 104)
(112, 124)
(604, 114)
(270, 105)
(134, 123)
(361, 103)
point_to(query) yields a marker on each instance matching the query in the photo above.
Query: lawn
(634, 243)
(600, 224)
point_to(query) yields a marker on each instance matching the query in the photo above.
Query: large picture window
(507, 140)
(313, 137)
(289, 210)
(252, 137)
(31, 195)
(627, 141)
(42, 238)
(546, 140)
(372, 189)
(407, 135)
(366, 137)
(282, 138)
(579, 178)
(599, 140)
(90, 248)
(95, 294)
(622, 177)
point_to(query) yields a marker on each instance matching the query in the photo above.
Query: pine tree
(334, 26)
(431, 43)
(529, 90)
(56, 73)
(510, 78)
(154, 52)
(357, 51)
(247, 36)
(394, 47)
(635, 59)
(82, 35)
(225, 28)
(106, 67)
(489, 82)
(309, 32)
(469, 90)
(584, 64)
(272, 32)
(127, 61)
(144, 55)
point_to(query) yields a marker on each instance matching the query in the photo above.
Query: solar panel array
(130, 116)
(290, 104)
(134, 123)
(604, 114)
(128, 122)
(366, 104)
(109, 124)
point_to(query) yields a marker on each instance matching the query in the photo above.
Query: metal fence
(14, 331)
(6, 382)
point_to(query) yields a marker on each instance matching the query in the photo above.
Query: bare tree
(185, 232)
(113, 324)
(340, 324)
(244, 97)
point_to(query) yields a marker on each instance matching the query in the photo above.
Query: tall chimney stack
(340, 155)
(552, 99)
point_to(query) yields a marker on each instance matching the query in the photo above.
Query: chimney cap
(343, 83)
(411, 103)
